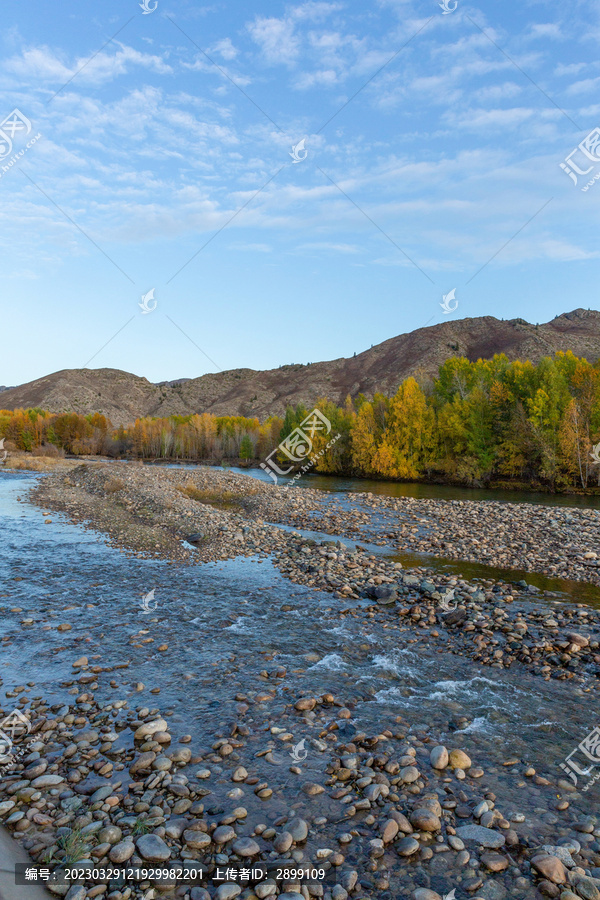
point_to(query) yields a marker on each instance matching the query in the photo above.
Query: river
(239, 625)
(343, 488)
(220, 619)
(419, 491)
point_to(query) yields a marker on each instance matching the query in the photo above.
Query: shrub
(113, 485)
(49, 451)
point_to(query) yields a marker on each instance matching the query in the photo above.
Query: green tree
(246, 448)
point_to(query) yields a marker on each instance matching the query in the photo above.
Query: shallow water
(343, 488)
(417, 491)
(226, 622)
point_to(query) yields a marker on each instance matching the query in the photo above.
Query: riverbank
(20, 460)
(215, 515)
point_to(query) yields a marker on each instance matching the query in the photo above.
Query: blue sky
(431, 162)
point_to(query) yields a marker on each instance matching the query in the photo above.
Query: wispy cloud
(44, 65)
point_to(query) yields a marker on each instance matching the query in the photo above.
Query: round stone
(197, 840)
(47, 781)
(283, 842)
(425, 820)
(227, 891)
(495, 862)
(121, 852)
(459, 760)
(305, 703)
(245, 847)
(311, 789)
(143, 761)
(153, 848)
(390, 830)
(110, 835)
(223, 833)
(486, 837)
(407, 846)
(298, 829)
(439, 757)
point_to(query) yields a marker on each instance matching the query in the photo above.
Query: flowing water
(222, 621)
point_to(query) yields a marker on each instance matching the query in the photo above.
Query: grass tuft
(113, 485)
(140, 827)
(73, 845)
(219, 499)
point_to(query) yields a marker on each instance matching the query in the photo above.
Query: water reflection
(427, 491)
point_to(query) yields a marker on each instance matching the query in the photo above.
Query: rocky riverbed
(124, 499)
(399, 731)
(157, 512)
(102, 785)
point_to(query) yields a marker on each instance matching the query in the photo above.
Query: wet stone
(439, 757)
(153, 848)
(197, 840)
(480, 835)
(223, 833)
(425, 820)
(407, 846)
(298, 829)
(227, 891)
(122, 851)
(245, 847)
(550, 867)
(495, 862)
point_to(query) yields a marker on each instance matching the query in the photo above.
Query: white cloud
(310, 79)
(42, 64)
(583, 86)
(563, 250)
(225, 49)
(276, 39)
(315, 10)
(328, 245)
(504, 91)
(202, 64)
(29, 274)
(571, 69)
(38, 63)
(483, 119)
(547, 30)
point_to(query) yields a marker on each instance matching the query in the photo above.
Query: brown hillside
(123, 397)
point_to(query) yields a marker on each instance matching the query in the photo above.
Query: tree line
(193, 437)
(477, 422)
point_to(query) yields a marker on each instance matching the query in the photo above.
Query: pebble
(439, 757)
(480, 835)
(550, 867)
(152, 848)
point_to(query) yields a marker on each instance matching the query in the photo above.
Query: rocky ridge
(123, 397)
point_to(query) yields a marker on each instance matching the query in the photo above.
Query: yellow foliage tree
(364, 439)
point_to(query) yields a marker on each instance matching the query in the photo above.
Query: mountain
(124, 397)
